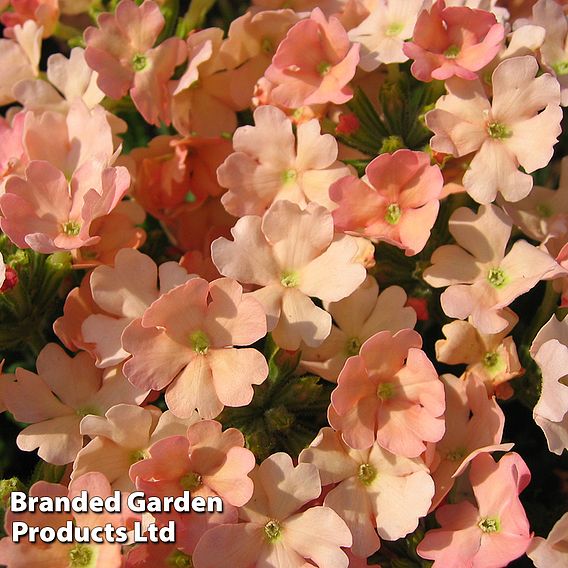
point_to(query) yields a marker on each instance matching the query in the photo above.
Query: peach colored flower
(554, 51)
(252, 42)
(494, 532)
(538, 214)
(122, 438)
(482, 279)
(313, 64)
(121, 51)
(57, 554)
(53, 401)
(274, 530)
(492, 358)
(118, 230)
(551, 410)
(206, 461)
(175, 173)
(518, 128)
(396, 201)
(453, 41)
(203, 104)
(292, 255)
(475, 423)
(357, 317)
(19, 58)
(44, 13)
(192, 352)
(369, 488)
(382, 34)
(120, 295)
(270, 164)
(390, 393)
(551, 552)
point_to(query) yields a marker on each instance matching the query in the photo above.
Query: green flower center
(138, 455)
(199, 342)
(452, 52)
(489, 525)
(289, 176)
(139, 62)
(544, 210)
(456, 455)
(86, 410)
(290, 279)
(393, 214)
(386, 391)
(560, 68)
(499, 131)
(323, 67)
(190, 197)
(178, 559)
(267, 45)
(352, 346)
(497, 277)
(491, 359)
(80, 555)
(394, 29)
(272, 531)
(71, 228)
(191, 481)
(366, 474)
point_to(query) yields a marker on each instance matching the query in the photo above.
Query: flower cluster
(296, 262)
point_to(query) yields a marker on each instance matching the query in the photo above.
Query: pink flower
(206, 461)
(357, 317)
(382, 34)
(313, 64)
(370, 487)
(192, 353)
(274, 530)
(455, 41)
(57, 554)
(48, 214)
(44, 13)
(519, 128)
(292, 255)
(12, 154)
(19, 58)
(396, 201)
(482, 279)
(203, 102)
(269, 164)
(121, 294)
(494, 532)
(54, 401)
(122, 438)
(492, 358)
(551, 552)
(68, 79)
(121, 51)
(475, 423)
(390, 393)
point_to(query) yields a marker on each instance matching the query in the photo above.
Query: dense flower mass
(303, 261)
